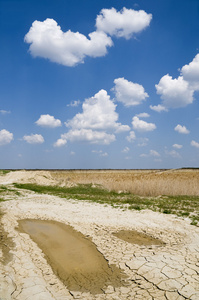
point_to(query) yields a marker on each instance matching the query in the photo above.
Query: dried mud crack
(6, 243)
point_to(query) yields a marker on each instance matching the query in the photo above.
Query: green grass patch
(4, 191)
(79, 192)
(183, 206)
(3, 172)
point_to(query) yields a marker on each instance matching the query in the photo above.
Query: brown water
(134, 237)
(73, 257)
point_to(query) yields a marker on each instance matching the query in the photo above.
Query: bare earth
(167, 270)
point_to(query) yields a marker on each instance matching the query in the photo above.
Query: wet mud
(134, 237)
(73, 257)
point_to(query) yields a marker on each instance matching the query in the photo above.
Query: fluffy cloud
(181, 129)
(68, 48)
(190, 73)
(89, 135)
(179, 92)
(141, 125)
(60, 143)
(194, 144)
(158, 108)
(121, 128)
(177, 146)
(124, 23)
(131, 137)
(48, 121)
(98, 113)
(143, 115)
(129, 93)
(5, 137)
(174, 92)
(33, 139)
(96, 123)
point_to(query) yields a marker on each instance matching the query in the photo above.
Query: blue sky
(99, 84)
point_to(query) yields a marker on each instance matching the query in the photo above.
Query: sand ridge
(23, 176)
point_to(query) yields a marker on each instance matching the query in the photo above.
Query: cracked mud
(168, 271)
(6, 244)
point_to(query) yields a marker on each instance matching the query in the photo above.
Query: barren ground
(169, 270)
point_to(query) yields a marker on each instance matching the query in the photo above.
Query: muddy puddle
(134, 237)
(73, 257)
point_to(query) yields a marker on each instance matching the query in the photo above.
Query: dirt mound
(36, 177)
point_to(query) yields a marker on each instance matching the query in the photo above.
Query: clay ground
(166, 271)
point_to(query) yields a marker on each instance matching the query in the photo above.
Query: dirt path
(169, 271)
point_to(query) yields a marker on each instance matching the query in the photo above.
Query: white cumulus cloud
(141, 125)
(5, 137)
(175, 93)
(143, 115)
(131, 137)
(124, 23)
(89, 135)
(48, 121)
(129, 93)
(158, 108)
(97, 122)
(195, 144)
(177, 146)
(68, 48)
(179, 92)
(190, 73)
(60, 143)
(181, 129)
(34, 139)
(99, 112)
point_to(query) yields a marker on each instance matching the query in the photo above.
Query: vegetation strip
(182, 206)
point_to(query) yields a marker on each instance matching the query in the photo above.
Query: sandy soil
(167, 271)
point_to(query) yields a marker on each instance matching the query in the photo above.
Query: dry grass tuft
(138, 182)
